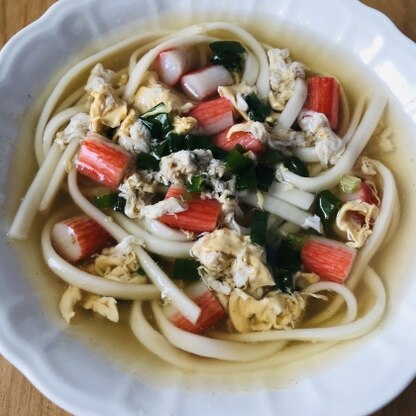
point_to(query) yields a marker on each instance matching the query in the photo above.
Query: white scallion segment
(28, 208)
(56, 123)
(203, 83)
(343, 291)
(280, 208)
(380, 229)
(58, 176)
(251, 69)
(154, 244)
(332, 176)
(146, 61)
(293, 106)
(208, 347)
(161, 230)
(158, 277)
(300, 199)
(342, 332)
(89, 282)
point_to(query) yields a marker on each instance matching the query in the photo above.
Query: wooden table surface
(17, 396)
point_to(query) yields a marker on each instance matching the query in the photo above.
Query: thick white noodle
(89, 282)
(28, 208)
(71, 100)
(332, 176)
(158, 345)
(251, 69)
(344, 110)
(161, 230)
(208, 347)
(346, 294)
(292, 107)
(278, 207)
(355, 120)
(77, 69)
(55, 123)
(58, 176)
(293, 196)
(308, 154)
(289, 228)
(157, 276)
(154, 244)
(376, 239)
(335, 333)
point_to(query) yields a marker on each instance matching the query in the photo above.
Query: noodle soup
(239, 335)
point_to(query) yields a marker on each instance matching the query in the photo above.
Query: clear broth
(115, 342)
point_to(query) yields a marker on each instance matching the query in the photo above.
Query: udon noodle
(223, 190)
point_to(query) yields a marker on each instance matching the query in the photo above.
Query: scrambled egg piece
(167, 206)
(151, 93)
(234, 94)
(118, 263)
(357, 230)
(179, 167)
(283, 74)
(229, 260)
(136, 189)
(107, 108)
(105, 306)
(183, 125)
(274, 311)
(365, 166)
(133, 135)
(76, 129)
(328, 146)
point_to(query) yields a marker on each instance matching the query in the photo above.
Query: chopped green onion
(197, 183)
(147, 161)
(193, 141)
(349, 184)
(287, 256)
(229, 54)
(162, 149)
(158, 124)
(327, 207)
(150, 111)
(186, 269)
(175, 142)
(246, 179)
(284, 280)
(295, 165)
(257, 109)
(265, 177)
(235, 161)
(110, 201)
(259, 227)
(271, 158)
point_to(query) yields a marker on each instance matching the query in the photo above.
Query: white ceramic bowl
(78, 374)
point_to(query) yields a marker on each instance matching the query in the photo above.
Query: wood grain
(17, 396)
